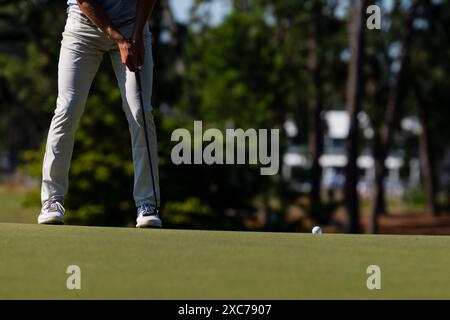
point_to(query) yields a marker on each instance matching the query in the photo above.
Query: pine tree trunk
(315, 134)
(378, 200)
(426, 153)
(354, 87)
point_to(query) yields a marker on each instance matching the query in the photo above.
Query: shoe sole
(149, 224)
(53, 221)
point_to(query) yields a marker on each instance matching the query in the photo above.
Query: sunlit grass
(12, 208)
(129, 263)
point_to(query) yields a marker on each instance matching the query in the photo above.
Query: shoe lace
(54, 205)
(147, 210)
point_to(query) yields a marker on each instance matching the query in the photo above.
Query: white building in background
(334, 159)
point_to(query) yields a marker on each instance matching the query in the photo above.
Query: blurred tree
(315, 106)
(232, 72)
(390, 120)
(354, 96)
(302, 46)
(310, 39)
(430, 65)
(28, 52)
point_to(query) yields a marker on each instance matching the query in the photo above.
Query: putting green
(126, 263)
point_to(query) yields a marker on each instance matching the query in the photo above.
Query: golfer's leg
(78, 64)
(143, 187)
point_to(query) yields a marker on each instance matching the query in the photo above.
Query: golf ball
(316, 230)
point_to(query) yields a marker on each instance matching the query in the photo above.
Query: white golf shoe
(52, 212)
(148, 217)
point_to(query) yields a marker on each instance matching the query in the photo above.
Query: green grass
(11, 206)
(129, 263)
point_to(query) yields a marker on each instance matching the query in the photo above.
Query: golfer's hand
(128, 54)
(138, 42)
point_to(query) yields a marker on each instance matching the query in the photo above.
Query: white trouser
(82, 50)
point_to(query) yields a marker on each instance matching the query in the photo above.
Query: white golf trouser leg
(143, 185)
(78, 63)
(81, 53)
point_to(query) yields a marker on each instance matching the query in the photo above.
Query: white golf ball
(316, 230)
